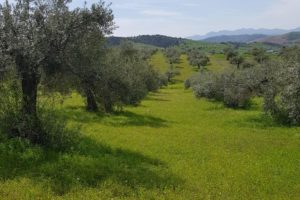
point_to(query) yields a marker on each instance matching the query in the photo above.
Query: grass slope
(172, 146)
(218, 63)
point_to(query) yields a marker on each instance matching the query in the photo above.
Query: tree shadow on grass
(176, 81)
(87, 165)
(155, 98)
(132, 119)
(262, 121)
(119, 119)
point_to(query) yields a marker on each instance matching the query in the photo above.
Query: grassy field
(218, 63)
(172, 146)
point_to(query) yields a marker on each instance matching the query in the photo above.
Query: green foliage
(234, 88)
(230, 52)
(248, 64)
(237, 60)
(208, 85)
(153, 40)
(36, 37)
(281, 92)
(290, 53)
(173, 55)
(260, 55)
(197, 58)
(125, 78)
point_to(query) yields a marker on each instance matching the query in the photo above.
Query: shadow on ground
(261, 121)
(87, 165)
(119, 119)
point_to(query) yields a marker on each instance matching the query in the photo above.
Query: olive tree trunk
(30, 83)
(91, 103)
(30, 79)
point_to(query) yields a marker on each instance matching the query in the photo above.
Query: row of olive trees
(277, 81)
(44, 44)
(234, 88)
(110, 77)
(173, 56)
(259, 55)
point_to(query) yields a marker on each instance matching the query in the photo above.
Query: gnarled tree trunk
(30, 83)
(31, 127)
(91, 103)
(108, 105)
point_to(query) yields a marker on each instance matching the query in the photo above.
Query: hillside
(244, 31)
(282, 40)
(235, 38)
(154, 40)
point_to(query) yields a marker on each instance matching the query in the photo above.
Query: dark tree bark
(108, 106)
(91, 103)
(29, 81)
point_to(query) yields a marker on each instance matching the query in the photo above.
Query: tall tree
(34, 35)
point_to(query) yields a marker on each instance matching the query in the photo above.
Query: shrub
(237, 94)
(235, 89)
(163, 80)
(208, 85)
(282, 91)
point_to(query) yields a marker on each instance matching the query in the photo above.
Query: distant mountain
(282, 40)
(235, 38)
(154, 40)
(244, 31)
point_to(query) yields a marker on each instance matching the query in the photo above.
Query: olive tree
(198, 58)
(173, 56)
(34, 35)
(125, 79)
(237, 60)
(260, 55)
(85, 59)
(282, 88)
(230, 52)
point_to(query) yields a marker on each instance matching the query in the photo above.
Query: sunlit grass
(172, 146)
(218, 63)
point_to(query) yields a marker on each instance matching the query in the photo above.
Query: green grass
(218, 63)
(160, 62)
(204, 46)
(172, 146)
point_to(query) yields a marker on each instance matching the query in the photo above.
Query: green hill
(154, 40)
(282, 40)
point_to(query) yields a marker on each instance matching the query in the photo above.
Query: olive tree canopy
(34, 36)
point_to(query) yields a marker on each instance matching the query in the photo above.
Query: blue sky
(189, 17)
